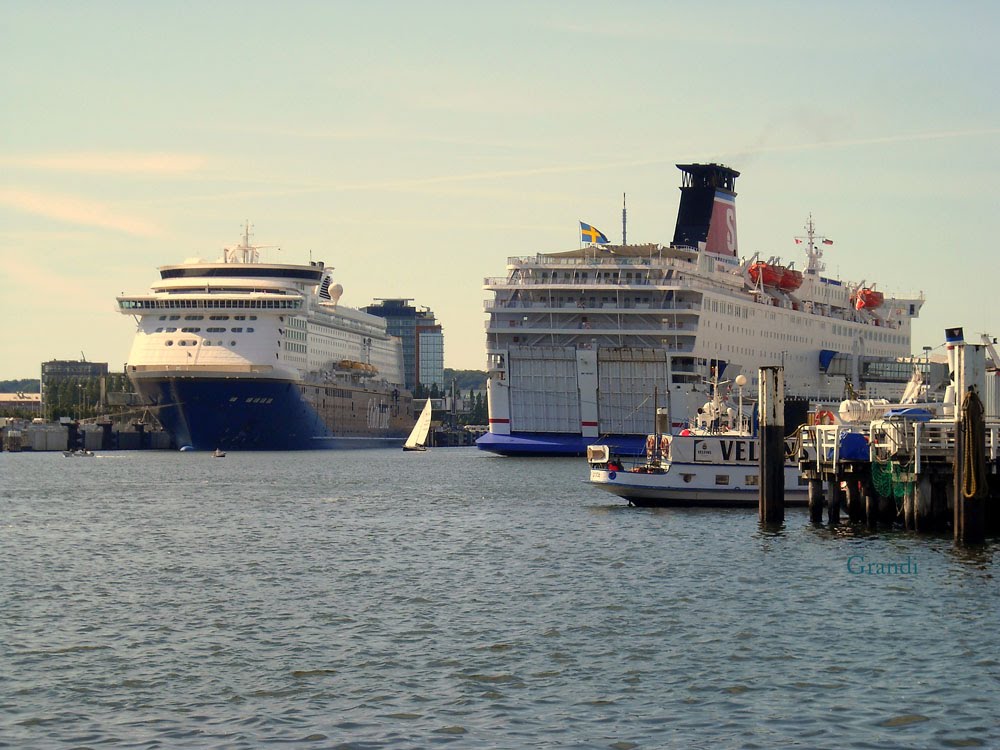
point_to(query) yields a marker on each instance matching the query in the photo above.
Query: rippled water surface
(385, 599)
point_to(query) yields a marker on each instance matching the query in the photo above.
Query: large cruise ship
(240, 354)
(579, 341)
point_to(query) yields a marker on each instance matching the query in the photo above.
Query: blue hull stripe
(558, 444)
(242, 414)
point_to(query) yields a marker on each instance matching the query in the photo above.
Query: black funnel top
(699, 186)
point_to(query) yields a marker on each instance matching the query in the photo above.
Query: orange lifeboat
(766, 274)
(790, 280)
(868, 299)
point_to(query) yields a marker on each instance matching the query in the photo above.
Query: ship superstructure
(578, 340)
(241, 354)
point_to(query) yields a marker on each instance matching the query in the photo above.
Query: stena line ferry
(578, 340)
(244, 355)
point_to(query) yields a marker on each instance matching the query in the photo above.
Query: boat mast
(656, 423)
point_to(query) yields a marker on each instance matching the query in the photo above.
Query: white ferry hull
(669, 490)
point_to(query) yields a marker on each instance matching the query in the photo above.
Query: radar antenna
(244, 252)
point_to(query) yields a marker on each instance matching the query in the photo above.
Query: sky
(416, 146)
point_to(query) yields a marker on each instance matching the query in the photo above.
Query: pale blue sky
(415, 146)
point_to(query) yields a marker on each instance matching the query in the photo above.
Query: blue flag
(592, 235)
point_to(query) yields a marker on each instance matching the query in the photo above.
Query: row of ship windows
(890, 338)
(198, 330)
(210, 317)
(750, 480)
(253, 400)
(193, 342)
(159, 304)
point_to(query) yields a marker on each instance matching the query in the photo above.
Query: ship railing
(597, 326)
(549, 261)
(201, 368)
(643, 284)
(491, 305)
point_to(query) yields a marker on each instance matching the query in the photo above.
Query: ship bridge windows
(190, 330)
(257, 304)
(194, 317)
(218, 317)
(215, 330)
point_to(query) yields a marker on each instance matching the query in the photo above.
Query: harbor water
(372, 599)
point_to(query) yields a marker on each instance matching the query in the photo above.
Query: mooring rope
(973, 441)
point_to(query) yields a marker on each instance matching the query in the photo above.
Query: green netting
(886, 479)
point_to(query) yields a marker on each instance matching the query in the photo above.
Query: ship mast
(814, 252)
(624, 235)
(244, 252)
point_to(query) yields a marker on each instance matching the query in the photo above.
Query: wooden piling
(871, 505)
(970, 471)
(816, 500)
(923, 516)
(909, 507)
(855, 504)
(771, 401)
(836, 500)
(887, 510)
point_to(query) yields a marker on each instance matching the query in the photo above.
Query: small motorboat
(219, 453)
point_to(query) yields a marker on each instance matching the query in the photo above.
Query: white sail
(418, 437)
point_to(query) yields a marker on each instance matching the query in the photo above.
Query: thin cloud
(436, 182)
(870, 141)
(110, 163)
(75, 211)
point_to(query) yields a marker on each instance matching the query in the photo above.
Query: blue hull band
(242, 414)
(558, 444)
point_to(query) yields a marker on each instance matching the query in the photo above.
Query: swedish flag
(592, 235)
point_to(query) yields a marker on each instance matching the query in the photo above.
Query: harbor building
(57, 372)
(20, 404)
(422, 337)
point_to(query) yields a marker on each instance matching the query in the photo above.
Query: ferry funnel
(706, 217)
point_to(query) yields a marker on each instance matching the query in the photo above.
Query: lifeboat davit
(766, 274)
(790, 280)
(868, 299)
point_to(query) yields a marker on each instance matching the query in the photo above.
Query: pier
(928, 473)
(38, 436)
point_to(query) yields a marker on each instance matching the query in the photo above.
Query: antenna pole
(624, 235)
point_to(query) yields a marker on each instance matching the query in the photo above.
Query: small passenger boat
(712, 463)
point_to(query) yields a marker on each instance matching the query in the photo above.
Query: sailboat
(417, 441)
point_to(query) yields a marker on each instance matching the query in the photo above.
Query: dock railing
(891, 439)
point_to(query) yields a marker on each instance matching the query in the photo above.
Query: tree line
(80, 398)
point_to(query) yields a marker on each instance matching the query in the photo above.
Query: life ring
(664, 446)
(650, 445)
(824, 417)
